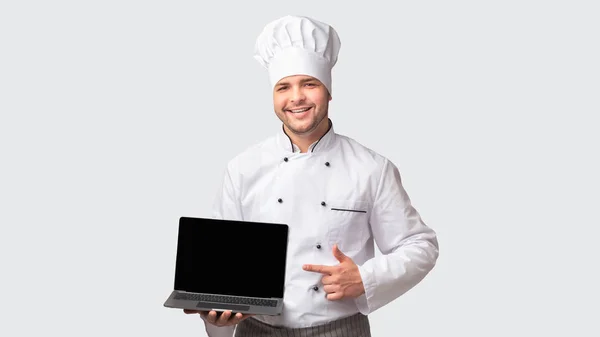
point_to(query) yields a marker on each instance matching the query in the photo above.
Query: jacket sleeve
(409, 247)
(226, 206)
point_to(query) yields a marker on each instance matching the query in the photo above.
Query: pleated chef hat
(298, 45)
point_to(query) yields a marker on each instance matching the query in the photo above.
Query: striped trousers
(353, 326)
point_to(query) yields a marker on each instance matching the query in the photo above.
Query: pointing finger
(317, 268)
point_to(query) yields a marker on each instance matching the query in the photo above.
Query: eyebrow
(301, 81)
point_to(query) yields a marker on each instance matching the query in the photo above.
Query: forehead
(296, 79)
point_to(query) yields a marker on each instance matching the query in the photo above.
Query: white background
(118, 117)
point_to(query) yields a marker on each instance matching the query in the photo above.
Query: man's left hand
(341, 281)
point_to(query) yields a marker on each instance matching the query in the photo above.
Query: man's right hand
(225, 319)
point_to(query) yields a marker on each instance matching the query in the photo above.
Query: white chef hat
(298, 45)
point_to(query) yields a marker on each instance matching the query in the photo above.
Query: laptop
(230, 265)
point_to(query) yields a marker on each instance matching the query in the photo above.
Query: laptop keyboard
(226, 299)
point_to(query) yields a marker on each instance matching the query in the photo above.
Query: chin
(301, 129)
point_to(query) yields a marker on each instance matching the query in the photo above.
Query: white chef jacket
(338, 192)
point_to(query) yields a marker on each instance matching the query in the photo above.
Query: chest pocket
(347, 224)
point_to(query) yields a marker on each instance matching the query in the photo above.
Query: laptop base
(203, 305)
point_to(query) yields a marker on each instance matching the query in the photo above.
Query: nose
(297, 95)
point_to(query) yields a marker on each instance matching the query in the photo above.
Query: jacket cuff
(363, 302)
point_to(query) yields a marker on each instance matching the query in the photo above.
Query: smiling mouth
(301, 110)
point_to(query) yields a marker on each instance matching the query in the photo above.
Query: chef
(338, 197)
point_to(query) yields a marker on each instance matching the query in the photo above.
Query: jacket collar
(325, 143)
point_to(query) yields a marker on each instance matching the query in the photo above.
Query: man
(337, 196)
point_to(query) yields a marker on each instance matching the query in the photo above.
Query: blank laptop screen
(231, 257)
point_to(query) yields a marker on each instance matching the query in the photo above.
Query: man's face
(301, 103)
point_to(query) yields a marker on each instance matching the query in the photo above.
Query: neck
(303, 141)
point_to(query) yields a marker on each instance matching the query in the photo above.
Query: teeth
(299, 110)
